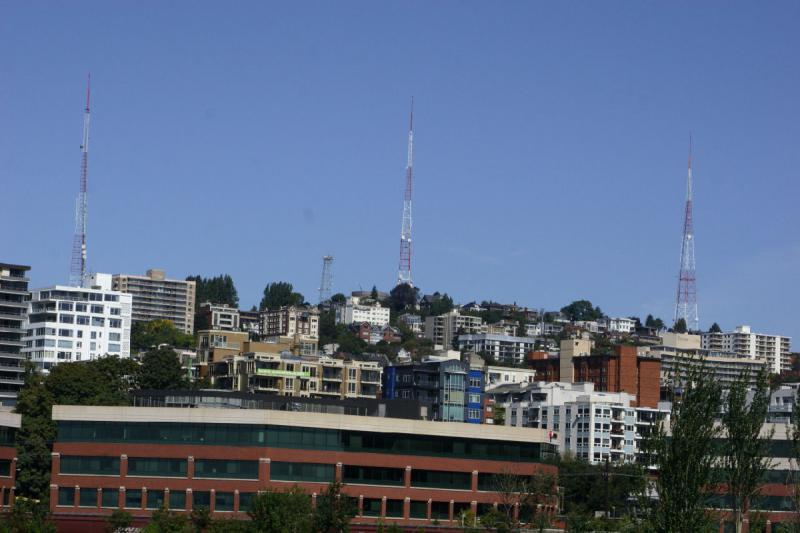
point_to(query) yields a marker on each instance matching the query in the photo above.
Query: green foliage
(231, 525)
(582, 310)
(745, 454)
(680, 326)
(103, 381)
(119, 519)
(334, 511)
(200, 519)
(442, 305)
(280, 294)
(27, 516)
(338, 298)
(278, 512)
(374, 293)
(686, 460)
(151, 334)
(35, 436)
(164, 521)
(715, 328)
(403, 297)
(589, 488)
(160, 370)
(219, 290)
(651, 322)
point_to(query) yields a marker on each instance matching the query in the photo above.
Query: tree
(104, 381)
(34, 437)
(119, 519)
(165, 521)
(680, 326)
(715, 328)
(278, 512)
(334, 511)
(338, 298)
(160, 370)
(745, 456)
(403, 297)
(374, 293)
(27, 516)
(526, 493)
(151, 334)
(200, 518)
(580, 310)
(651, 322)
(589, 488)
(280, 294)
(687, 459)
(442, 305)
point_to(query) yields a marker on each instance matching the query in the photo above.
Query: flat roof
(202, 415)
(9, 419)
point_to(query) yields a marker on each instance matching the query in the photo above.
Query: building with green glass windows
(409, 472)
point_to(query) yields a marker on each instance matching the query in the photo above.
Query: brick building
(407, 472)
(9, 425)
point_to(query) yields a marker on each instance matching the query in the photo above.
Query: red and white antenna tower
(404, 269)
(77, 273)
(686, 301)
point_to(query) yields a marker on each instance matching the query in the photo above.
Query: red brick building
(9, 425)
(407, 472)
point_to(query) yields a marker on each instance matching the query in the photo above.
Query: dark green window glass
(88, 497)
(5, 467)
(201, 498)
(282, 471)
(151, 467)
(66, 496)
(484, 508)
(223, 501)
(441, 480)
(94, 465)
(155, 499)
(177, 500)
(371, 475)
(133, 499)
(419, 509)
(440, 510)
(371, 507)
(220, 468)
(245, 500)
(394, 508)
(7, 436)
(110, 498)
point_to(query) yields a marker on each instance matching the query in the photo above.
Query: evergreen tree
(581, 310)
(279, 512)
(334, 511)
(160, 370)
(35, 436)
(280, 294)
(680, 326)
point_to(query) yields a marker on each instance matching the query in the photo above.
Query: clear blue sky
(251, 139)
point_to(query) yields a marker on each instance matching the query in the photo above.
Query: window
(245, 500)
(370, 475)
(177, 500)
(155, 499)
(351, 388)
(152, 467)
(114, 337)
(475, 382)
(111, 297)
(133, 498)
(66, 319)
(98, 466)
(80, 308)
(64, 344)
(82, 320)
(474, 398)
(474, 414)
(65, 333)
(282, 471)
(5, 467)
(371, 507)
(98, 321)
(440, 510)
(110, 498)
(65, 306)
(66, 496)
(114, 311)
(221, 468)
(441, 480)
(88, 497)
(94, 297)
(394, 508)
(201, 498)
(113, 347)
(223, 501)
(97, 309)
(418, 509)
(114, 323)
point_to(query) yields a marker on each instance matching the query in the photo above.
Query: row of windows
(303, 438)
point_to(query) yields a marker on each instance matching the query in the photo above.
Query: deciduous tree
(161, 369)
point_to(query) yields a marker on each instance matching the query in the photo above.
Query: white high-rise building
(77, 323)
(772, 349)
(356, 311)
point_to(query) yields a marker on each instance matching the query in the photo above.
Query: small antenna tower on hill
(404, 269)
(77, 272)
(686, 301)
(327, 279)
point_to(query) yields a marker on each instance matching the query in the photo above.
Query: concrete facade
(155, 297)
(14, 297)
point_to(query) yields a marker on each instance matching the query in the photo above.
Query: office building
(774, 350)
(406, 472)
(444, 329)
(67, 324)
(13, 314)
(157, 298)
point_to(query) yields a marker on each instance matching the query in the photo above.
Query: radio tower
(686, 301)
(327, 279)
(77, 273)
(404, 269)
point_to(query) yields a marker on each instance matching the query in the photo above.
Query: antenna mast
(327, 279)
(77, 274)
(404, 268)
(686, 301)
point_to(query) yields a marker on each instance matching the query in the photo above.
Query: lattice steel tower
(327, 279)
(404, 268)
(686, 301)
(77, 272)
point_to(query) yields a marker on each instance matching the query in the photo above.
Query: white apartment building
(68, 324)
(501, 348)
(444, 328)
(503, 375)
(595, 426)
(537, 329)
(619, 325)
(155, 297)
(414, 323)
(773, 349)
(355, 311)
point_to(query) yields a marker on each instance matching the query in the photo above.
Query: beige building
(157, 298)
(572, 348)
(291, 375)
(774, 350)
(444, 328)
(297, 326)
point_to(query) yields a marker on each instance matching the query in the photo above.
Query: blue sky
(551, 144)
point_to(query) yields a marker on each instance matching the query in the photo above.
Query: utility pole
(77, 273)
(686, 300)
(404, 268)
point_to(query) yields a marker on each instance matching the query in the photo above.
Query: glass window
(65, 333)
(133, 498)
(155, 499)
(371, 507)
(66, 496)
(82, 320)
(282, 471)
(223, 501)
(177, 500)
(394, 508)
(66, 319)
(418, 509)
(114, 323)
(80, 308)
(440, 479)
(440, 510)
(98, 321)
(65, 306)
(114, 337)
(221, 468)
(245, 500)
(88, 497)
(110, 498)
(114, 311)
(99, 466)
(97, 309)
(148, 466)
(5, 467)
(113, 347)
(201, 498)
(371, 475)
